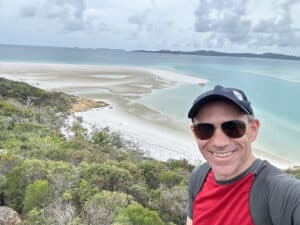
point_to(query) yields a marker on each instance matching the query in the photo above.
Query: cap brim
(196, 107)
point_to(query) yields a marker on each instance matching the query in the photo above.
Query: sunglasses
(232, 129)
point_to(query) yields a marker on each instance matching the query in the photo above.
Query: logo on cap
(238, 95)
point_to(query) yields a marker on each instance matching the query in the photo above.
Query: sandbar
(158, 135)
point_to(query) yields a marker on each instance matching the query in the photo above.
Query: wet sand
(158, 135)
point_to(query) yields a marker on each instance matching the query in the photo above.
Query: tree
(136, 215)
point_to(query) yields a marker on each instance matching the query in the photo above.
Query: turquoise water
(273, 86)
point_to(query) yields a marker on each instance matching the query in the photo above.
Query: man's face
(228, 157)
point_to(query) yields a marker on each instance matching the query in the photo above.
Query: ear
(254, 127)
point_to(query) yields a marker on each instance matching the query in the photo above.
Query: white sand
(49, 76)
(158, 142)
(160, 136)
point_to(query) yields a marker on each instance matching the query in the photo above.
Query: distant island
(268, 55)
(10, 48)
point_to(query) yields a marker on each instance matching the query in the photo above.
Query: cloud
(224, 19)
(140, 19)
(28, 11)
(227, 25)
(221, 16)
(70, 13)
(234, 22)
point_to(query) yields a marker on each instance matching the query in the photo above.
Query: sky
(254, 26)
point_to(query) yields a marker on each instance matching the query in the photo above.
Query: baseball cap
(234, 95)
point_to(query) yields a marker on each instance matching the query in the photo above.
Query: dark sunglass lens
(204, 131)
(234, 128)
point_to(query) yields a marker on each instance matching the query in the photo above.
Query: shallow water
(273, 86)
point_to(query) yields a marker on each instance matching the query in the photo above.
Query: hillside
(88, 179)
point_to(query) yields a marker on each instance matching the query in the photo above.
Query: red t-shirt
(223, 203)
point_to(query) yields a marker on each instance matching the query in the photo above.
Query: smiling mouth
(223, 154)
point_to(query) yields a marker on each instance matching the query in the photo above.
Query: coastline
(158, 135)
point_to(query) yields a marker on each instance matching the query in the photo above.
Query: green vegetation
(96, 178)
(137, 215)
(36, 194)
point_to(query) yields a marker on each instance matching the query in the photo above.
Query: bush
(294, 172)
(182, 163)
(171, 204)
(140, 193)
(102, 207)
(101, 137)
(150, 172)
(36, 194)
(169, 178)
(35, 217)
(105, 176)
(7, 109)
(137, 215)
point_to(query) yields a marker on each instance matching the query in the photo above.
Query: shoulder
(276, 177)
(277, 184)
(275, 196)
(204, 168)
(279, 193)
(198, 177)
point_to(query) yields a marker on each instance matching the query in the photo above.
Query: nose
(219, 139)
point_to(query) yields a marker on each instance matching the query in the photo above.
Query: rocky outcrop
(8, 216)
(84, 104)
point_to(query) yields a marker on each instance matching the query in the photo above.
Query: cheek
(201, 144)
(251, 136)
(203, 147)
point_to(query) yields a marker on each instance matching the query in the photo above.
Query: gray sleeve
(191, 194)
(284, 200)
(296, 215)
(197, 179)
(190, 201)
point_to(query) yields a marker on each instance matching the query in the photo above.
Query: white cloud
(227, 25)
(245, 22)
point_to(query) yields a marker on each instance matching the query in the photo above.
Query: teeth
(222, 154)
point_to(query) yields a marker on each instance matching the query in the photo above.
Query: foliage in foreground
(96, 178)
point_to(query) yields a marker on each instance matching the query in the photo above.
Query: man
(233, 187)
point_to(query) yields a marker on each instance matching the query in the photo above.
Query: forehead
(219, 108)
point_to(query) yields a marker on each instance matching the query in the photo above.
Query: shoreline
(161, 143)
(159, 135)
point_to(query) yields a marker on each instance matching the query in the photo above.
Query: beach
(158, 135)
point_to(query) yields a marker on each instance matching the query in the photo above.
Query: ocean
(272, 85)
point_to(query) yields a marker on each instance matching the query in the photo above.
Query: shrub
(105, 176)
(150, 172)
(140, 193)
(182, 163)
(169, 178)
(35, 217)
(295, 172)
(102, 207)
(36, 194)
(137, 215)
(171, 204)
(101, 137)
